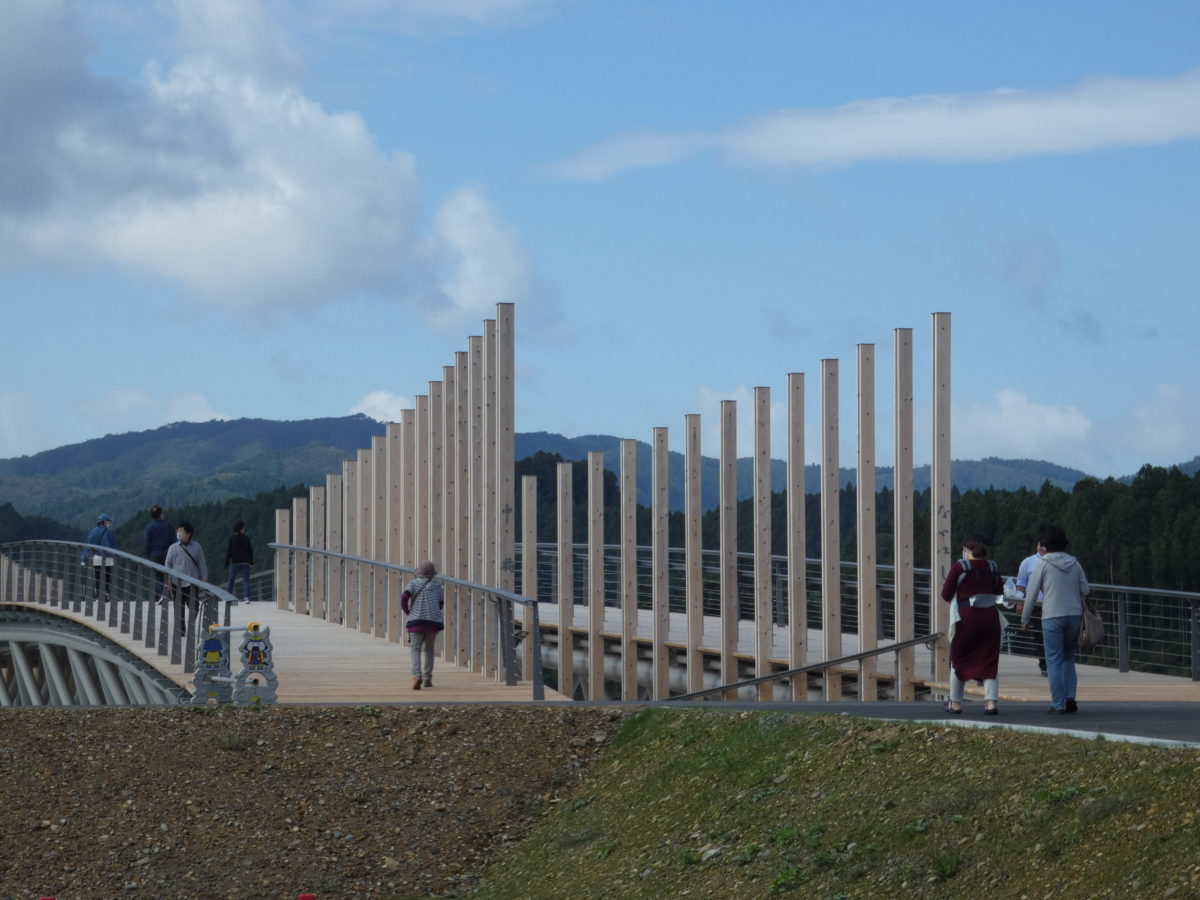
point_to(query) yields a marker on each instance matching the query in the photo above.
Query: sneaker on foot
(428, 682)
(1071, 705)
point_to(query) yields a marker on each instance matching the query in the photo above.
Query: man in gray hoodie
(1063, 586)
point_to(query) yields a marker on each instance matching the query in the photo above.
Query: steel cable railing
(165, 609)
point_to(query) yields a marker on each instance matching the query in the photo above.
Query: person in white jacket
(1063, 586)
(186, 556)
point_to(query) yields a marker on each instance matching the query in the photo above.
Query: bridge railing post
(1122, 632)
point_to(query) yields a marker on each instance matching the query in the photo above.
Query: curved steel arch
(49, 660)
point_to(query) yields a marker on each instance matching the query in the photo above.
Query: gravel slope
(341, 801)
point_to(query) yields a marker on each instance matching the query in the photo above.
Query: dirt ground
(334, 801)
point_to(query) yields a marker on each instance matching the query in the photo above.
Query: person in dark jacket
(156, 541)
(239, 557)
(422, 602)
(972, 587)
(102, 536)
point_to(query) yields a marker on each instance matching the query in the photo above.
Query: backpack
(981, 599)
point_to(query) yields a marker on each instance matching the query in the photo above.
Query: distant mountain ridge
(201, 462)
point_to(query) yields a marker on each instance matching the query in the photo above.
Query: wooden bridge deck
(319, 662)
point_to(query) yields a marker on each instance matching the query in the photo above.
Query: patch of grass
(831, 806)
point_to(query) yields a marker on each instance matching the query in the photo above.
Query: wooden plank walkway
(320, 662)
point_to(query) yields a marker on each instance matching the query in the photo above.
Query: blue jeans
(244, 570)
(1059, 635)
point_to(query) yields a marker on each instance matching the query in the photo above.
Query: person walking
(422, 602)
(156, 541)
(101, 536)
(1063, 586)
(1023, 573)
(972, 587)
(186, 556)
(239, 558)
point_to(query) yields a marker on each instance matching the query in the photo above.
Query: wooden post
(595, 654)
(764, 631)
(435, 454)
(940, 482)
(903, 549)
(350, 513)
(408, 488)
(336, 570)
(490, 513)
(463, 506)
(831, 566)
(478, 499)
(421, 479)
(566, 580)
(393, 464)
(300, 560)
(660, 687)
(730, 601)
(693, 552)
(318, 568)
(797, 549)
(448, 564)
(379, 534)
(868, 637)
(283, 558)
(529, 567)
(506, 473)
(364, 608)
(629, 588)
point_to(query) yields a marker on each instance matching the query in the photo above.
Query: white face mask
(182, 535)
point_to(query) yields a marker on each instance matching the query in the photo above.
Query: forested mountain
(204, 462)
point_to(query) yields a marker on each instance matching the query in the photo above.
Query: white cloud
(231, 183)
(382, 406)
(190, 407)
(1010, 425)
(425, 15)
(489, 264)
(125, 401)
(18, 436)
(993, 125)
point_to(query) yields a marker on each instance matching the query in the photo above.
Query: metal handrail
(496, 594)
(928, 639)
(60, 557)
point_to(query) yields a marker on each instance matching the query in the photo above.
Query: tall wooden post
(435, 453)
(764, 629)
(350, 514)
(693, 552)
(463, 506)
(730, 601)
(506, 472)
(796, 546)
(421, 480)
(318, 574)
(865, 495)
(595, 654)
(336, 569)
(831, 566)
(629, 587)
(393, 465)
(660, 676)
(478, 497)
(283, 558)
(490, 512)
(379, 535)
(940, 481)
(566, 580)
(529, 566)
(408, 488)
(300, 561)
(903, 549)
(448, 564)
(364, 598)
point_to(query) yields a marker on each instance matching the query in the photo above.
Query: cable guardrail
(163, 608)
(842, 661)
(356, 587)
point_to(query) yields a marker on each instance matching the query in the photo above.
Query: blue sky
(298, 209)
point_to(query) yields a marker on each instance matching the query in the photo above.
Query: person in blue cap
(101, 536)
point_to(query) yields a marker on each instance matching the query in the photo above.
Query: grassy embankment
(712, 804)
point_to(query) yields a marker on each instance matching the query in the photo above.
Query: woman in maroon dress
(973, 586)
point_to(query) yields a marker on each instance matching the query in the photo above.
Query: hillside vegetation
(557, 802)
